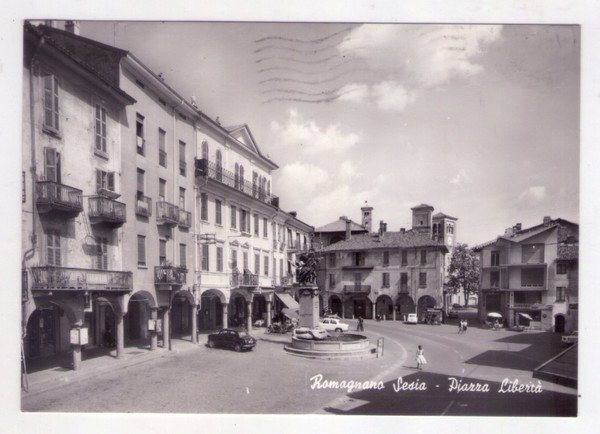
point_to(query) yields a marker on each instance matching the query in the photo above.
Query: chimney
(72, 27)
(384, 227)
(348, 231)
(509, 232)
(402, 230)
(547, 220)
(293, 213)
(518, 227)
(381, 230)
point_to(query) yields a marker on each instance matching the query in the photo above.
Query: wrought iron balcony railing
(52, 196)
(185, 219)
(143, 206)
(167, 213)
(357, 289)
(50, 278)
(170, 275)
(243, 279)
(211, 170)
(107, 211)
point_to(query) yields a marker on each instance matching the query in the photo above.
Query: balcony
(52, 197)
(357, 289)
(49, 278)
(244, 279)
(294, 247)
(167, 214)
(107, 211)
(360, 266)
(208, 169)
(170, 275)
(143, 206)
(185, 219)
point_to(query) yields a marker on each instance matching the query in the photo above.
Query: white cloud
(311, 138)
(354, 92)
(347, 171)
(461, 178)
(392, 96)
(533, 194)
(299, 182)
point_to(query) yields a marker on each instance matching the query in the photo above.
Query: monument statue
(306, 268)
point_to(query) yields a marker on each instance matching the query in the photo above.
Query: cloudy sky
(481, 122)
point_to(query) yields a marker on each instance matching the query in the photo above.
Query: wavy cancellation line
(305, 62)
(301, 92)
(300, 71)
(311, 82)
(312, 101)
(303, 41)
(310, 51)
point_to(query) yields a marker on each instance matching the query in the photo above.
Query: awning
(494, 315)
(288, 300)
(526, 316)
(291, 313)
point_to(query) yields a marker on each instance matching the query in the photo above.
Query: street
(463, 376)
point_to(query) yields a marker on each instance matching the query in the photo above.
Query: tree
(463, 271)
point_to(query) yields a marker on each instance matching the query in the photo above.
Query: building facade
(389, 274)
(530, 276)
(144, 220)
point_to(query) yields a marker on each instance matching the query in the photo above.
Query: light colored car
(309, 334)
(411, 318)
(570, 339)
(333, 324)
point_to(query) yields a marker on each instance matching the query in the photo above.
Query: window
(494, 279)
(101, 258)
(423, 257)
(495, 258)
(100, 128)
(331, 281)
(386, 258)
(359, 258)
(162, 189)
(256, 263)
(241, 177)
(52, 165)
(204, 206)
(182, 255)
(219, 258)
(182, 198)
(141, 250)
(403, 282)
(245, 259)
(532, 253)
(244, 221)
(254, 186)
(219, 160)
(256, 230)
(205, 257)
(205, 150)
(53, 256)
(332, 259)
(162, 152)
(385, 281)
(281, 267)
(162, 252)
(236, 179)
(305, 245)
(233, 217)
(51, 103)
(404, 257)
(182, 158)
(140, 184)
(218, 212)
(532, 277)
(105, 180)
(560, 293)
(561, 268)
(357, 279)
(266, 265)
(234, 259)
(265, 228)
(139, 133)
(422, 280)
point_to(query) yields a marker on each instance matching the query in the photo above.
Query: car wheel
(211, 344)
(339, 330)
(237, 348)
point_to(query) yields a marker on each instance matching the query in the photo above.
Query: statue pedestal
(309, 306)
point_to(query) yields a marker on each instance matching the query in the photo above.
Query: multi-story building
(530, 276)
(196, 237)
(386, 273)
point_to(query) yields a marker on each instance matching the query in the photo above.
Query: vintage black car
(238, 340)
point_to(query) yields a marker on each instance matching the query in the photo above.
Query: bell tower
(367, 216)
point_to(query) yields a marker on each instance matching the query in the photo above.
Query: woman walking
(421, 358)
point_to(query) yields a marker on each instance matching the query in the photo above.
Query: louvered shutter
(111, 181)
(50, 168)
(98, 180)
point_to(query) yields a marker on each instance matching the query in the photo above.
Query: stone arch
(184, 293)
(213, 302)
(425, 302)
(335, 304)
(238, 308)
(405, 305)
(47, 331)
(215, 293)
(138, 310)
(384, 306)
(182, 303)
(559, 323)
(259, 307)
(68, 309)
(141, 295)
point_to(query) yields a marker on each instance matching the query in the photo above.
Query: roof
(340, 226)
(389, 240)
(441, 215)
(568, 252)
(423, 205)
(246, 129)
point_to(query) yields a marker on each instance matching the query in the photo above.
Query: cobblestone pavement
(267, 380)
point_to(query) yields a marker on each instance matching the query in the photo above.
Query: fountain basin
(335, 347)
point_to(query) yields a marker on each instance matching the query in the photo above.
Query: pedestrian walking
(465, 326)
(421, 357)
(460, 326)
(360, 327)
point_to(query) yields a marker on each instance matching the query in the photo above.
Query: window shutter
(50, 164)
(141, 250)
(49, 249)
(55, 94)
(48, 103)
(111, 181)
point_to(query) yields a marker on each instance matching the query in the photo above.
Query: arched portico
(183, 315)
(384, 307)
(213, 310)
(425, 302)
(336, 306)
(404, 305)
(141, 307)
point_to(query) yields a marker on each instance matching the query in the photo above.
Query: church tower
(367, 216)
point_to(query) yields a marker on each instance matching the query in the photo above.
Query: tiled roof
(389, 240)
(423, 205)
(442, 215)
(568, 252)
(340, 226)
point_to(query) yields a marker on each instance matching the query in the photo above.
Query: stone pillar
(343, 308)
(225, 313)
(309, 307)
(249, 316)
(76, 357)
(166, 329)
(394, 313)
(194, 323)
(374, 309)
(268, 313)
(153, 333)
(120, 333)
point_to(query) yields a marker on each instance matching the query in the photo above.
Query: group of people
(462, 326)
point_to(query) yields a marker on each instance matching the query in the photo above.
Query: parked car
(333, 315)
(333, 324)
(452, 313)
(238, 340)
(309, 334)
(411, 318)
(570, 339)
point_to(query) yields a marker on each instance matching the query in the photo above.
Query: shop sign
(79, 336)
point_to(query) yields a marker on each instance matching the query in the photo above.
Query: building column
(374, 310)
(77, 350)
(225, 315)
(153, 333)
(343, 310)
(120, 333)
(166, 329)
(194, 323)
(249, 316)
(268, 313)
(393, 312)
